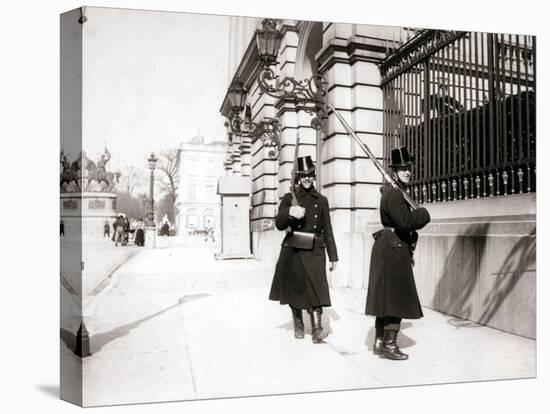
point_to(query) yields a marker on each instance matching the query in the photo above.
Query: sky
(150, 81)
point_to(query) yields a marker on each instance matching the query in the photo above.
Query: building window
(209, 219)
(192, 191)
(192, 219)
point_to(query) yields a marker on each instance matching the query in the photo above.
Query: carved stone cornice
(247, 71)
(355, 49)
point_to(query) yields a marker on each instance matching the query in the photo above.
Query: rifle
(377, 163)
(298, 239)
(293, 174)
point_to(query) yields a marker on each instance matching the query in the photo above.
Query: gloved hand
(297, 212)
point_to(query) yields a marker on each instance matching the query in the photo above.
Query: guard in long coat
(300, 275)
(392, 291)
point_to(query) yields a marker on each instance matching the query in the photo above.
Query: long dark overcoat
(300, 275)
(392, 291)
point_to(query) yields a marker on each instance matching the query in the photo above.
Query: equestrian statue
(98, 172)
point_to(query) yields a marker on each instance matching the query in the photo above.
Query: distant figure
(165, 229)
(119, 230)
(126, 231)
(209, 234)
(62, 228)
(106, 229)
(140, 236)
(114, 228)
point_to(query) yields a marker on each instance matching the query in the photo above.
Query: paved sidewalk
(80, 286)
(179, 325)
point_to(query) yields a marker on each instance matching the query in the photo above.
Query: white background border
(29, 132)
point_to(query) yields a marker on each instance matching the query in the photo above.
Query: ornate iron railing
(464, 104)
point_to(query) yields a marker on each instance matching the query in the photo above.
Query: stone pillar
(349, 59)
(236, 159)
(271, 178)
(227, 166)
(244, 149)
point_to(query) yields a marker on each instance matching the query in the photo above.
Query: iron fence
(464, 104)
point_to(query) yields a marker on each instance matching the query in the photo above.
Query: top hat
(305, 165)
(400, 157)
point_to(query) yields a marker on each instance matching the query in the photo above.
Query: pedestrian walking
(140, 239)
(300, 275)
(392, 293)
(115, 223)
(119, 230)
(61, 228)
(106, 229)
(209, 234)
(125, 231)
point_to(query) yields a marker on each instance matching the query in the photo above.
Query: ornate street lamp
(237, 95)
(268, 40)
(152, 165)
(308, 94)
(266, 130)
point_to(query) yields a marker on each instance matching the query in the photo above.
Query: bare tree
(170, 163)
(133, 178)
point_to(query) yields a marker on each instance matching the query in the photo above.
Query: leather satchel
(301, 240)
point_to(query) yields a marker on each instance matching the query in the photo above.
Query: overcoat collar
(301, 193)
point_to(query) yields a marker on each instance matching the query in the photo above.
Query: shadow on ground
(50, 390)
(327, 317)
(97, 342)
(403, 340)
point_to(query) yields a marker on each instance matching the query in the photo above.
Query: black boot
(379, 336)
(316, 327)
(378, 342)
(390, 349)
(298, 323)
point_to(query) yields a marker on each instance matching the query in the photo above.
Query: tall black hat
(400, 157)
(305, 165)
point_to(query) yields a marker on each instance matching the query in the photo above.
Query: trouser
(386, 323)
(310, 309)
(119, 235)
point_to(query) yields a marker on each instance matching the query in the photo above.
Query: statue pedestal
(151, 237)
(84, 213)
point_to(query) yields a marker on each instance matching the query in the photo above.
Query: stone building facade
(197, 204)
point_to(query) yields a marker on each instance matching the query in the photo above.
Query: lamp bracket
(308, 93)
